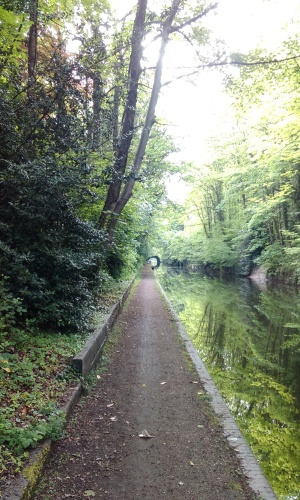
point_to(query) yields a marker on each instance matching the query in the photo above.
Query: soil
(149, 388)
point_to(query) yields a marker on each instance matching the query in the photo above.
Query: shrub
(51, 256)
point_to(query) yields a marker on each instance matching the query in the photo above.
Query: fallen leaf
(191, 463)
(145, 434)
(89, 493)
(195, 382)
(98, 377)
(181, 483)
(163, 383)
(110, 405)
(7, 370)
(200, 426)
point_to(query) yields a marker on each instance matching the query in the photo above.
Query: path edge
(23, 486)
(252, 470)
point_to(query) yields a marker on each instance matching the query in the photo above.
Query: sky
(195, 113)
(204, 109)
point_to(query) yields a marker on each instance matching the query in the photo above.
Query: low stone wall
(84, 361)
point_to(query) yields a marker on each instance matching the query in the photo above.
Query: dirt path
(148, 386)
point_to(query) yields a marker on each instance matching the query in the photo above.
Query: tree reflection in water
(250, 342)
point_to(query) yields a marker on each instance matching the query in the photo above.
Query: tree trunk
(149, 121)
(88, 118)
(127, 128)
(117, 200)
(96, 111)
(119, 72)
(32, 43)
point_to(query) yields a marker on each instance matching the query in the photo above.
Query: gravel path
(150, 388)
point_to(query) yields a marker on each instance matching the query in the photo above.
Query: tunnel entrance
(154, 261)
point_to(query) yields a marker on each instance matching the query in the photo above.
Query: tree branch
(231, 63)
(196, 18)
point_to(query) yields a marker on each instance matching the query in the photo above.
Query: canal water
(249, 340)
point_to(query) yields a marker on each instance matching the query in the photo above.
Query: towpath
(149, 388)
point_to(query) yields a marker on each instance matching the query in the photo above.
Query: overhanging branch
(194, 19)
(216, 64)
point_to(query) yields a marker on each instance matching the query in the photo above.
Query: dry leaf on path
(145, 434)
(163, 383)
(89, 493)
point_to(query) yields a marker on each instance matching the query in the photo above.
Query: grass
(35, 375)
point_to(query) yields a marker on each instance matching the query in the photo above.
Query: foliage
(243, 207)
(34, 374)
(51, 256)
(60, 125)
(18, 439)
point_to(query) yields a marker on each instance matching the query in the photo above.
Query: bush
(50, 255)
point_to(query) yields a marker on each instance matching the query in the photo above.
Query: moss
(34, 470)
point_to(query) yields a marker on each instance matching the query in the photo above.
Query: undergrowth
(35, 373)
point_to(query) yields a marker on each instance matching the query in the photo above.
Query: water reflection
(250, 342)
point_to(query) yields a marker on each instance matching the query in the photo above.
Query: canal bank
(147, 429)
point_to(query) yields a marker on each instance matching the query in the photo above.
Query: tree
(173, 20)
(32, 41)
(52, 257)
(245, 203)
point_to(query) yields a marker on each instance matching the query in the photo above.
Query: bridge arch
(154, 261)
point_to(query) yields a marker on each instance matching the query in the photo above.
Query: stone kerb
(84, 361)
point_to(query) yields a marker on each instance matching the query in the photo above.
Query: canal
(249, 340)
